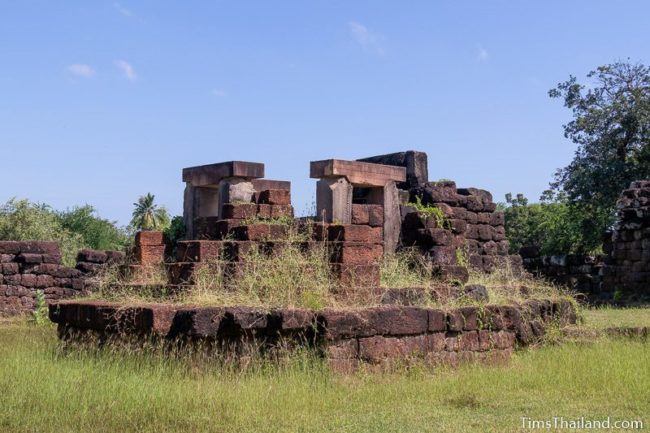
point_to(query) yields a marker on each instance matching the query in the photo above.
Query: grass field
(607, 317)
(42, 390)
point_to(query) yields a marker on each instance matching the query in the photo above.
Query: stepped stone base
(374, 337)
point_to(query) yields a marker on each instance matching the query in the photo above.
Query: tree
(551, 226)
(611, 126)
(97, 233)
(22, 220)
(74, 229)
(148, 216)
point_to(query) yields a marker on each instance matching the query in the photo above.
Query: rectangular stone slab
(415, 163)
(358, 173)
(262, 184)
(211, 174)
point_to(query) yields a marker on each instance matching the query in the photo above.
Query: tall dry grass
(297, 273)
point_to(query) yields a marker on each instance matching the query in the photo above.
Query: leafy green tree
(21, 220)
(553, 227)
(74, 229)
(611, 126)
(174, 233)
(97, 233)
(148, 216)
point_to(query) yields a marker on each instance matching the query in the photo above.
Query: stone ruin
(364, 211)
(622, 273)
(375, 338)
(29, 266)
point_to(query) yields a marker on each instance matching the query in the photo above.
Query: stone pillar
(388, 197)
(334, 200)
(188, 210)
(392, 219)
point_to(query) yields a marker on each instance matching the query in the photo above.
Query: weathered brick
(378, 348)
(93, 256)
(360, 214)
(200, 250)
(356, 275)
(455, 321)
(149, 238)
(274, 197)
(239, 210)
(437, 320)
(281, 211)
(261, 232)
(470, 318)
(468, 341)
(9, 268)
(355, 253)
(354, 233)
(375, 215)
(149, 254)
(29, 258)
(342, 349)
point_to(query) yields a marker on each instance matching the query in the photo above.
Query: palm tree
(147, 215)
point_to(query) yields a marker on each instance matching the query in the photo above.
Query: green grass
(609, 317)
(43, 390)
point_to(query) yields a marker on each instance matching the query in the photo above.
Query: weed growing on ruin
(137, 284)
(284, 220)
(405, 268)
(430, 212)
(285, 275)
(39, 314)
(507, 284)
(462, 256)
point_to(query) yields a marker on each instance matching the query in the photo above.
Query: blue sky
(103, 101)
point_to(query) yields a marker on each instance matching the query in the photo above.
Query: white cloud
(482, 55)
(364, 37)
(218, 92)
(81, 70)
(127, 69)
(122, 10)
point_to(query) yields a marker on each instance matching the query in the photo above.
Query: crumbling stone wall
(623, 273)
(472, 233)
(29, 266)
(91, 262)
(240, 227)
(628, 272)
(582, 273)
(346, 338)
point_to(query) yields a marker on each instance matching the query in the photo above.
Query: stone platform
(346, 338)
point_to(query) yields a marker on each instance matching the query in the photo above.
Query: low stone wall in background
(622, 274)
(582, 273)
(27, 267)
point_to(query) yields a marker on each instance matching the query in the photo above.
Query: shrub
(430, 212)
(554, 227)
(406, 268)
(75, 229)
(39, 314)
(22, 220)
(97, 233)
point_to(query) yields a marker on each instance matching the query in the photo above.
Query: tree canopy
(149, 216)
(553, 227)
(611, 126)
(74, 229)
